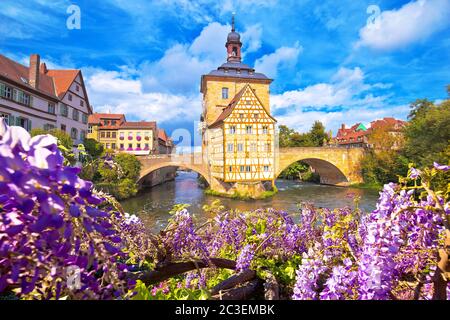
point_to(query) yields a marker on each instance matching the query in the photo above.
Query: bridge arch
(336, 166)
(328, 172)
(153, 164)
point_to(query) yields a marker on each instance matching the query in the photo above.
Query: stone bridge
(193, 161)
(336, 166)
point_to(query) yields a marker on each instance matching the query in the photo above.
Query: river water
(153, 205)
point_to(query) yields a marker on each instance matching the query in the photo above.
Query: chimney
(33, 73)
(44, 69)
(343, 126)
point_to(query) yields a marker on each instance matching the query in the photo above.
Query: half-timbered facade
(242, 140)
(238, 130)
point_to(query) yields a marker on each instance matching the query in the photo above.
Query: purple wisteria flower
(414, 173)
(441, 167)
(245, 258)
(50, 221)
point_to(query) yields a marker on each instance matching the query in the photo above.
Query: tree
(301, 140)
(285, 136)
(130, 165)
(419, 107)
(318, 135)
(93, 148)
(428, 134)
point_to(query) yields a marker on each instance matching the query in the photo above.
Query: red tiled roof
(63, 80)
(98, 118)
(16, 72)
(350, 135)
(162, 134)
(395, 124)
(138, 125)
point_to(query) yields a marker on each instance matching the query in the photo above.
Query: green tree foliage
(93, 148)
(130, 165)
(285, 136)
(318, 135)
(425, 139)
(294, 171)
(117, 176)
(314, 138)
(428, 133)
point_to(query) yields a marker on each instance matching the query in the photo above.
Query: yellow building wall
(213, 102)
(133, 133)
(94, 133)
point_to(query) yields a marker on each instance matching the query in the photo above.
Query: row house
(135, 137)
(358, 134)
(165, 144)
(355, 136)
(36, 97)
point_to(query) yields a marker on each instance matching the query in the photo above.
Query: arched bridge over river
(336, 166)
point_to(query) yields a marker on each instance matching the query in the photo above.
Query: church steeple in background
(233, 44)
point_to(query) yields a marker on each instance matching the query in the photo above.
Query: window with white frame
(75, 115)
(224, 93)
(248, 129)
(232, 129)
(51, 108)
(6, 91)
(84, 118)
(230, 147)
(240, 147)
(64, 110)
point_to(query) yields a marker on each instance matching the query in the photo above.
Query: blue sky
(331, 60)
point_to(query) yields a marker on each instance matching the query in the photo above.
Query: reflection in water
(153, 205)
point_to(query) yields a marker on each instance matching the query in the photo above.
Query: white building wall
(37, 112)
(68, 121)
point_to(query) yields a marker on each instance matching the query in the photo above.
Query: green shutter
(29, 125)
(2, 90)
(18, 121)
(11, 120)
(31, 101)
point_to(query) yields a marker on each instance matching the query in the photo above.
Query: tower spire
(232, 22)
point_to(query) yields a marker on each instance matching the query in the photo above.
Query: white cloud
(167, 88)
(283, 57)
(118, 92)
(347, 98)
(180, 68)
(413, 22)
(346, 88)
(251, 38)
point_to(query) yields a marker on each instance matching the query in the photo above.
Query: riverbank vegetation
(62, 239)
(425, 139)
(115, 174)
(243, 196)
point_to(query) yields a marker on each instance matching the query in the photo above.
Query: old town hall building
(238, 130)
